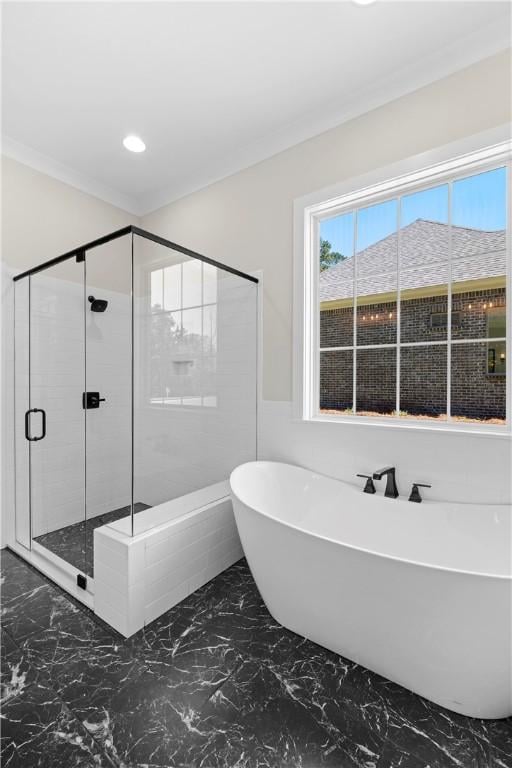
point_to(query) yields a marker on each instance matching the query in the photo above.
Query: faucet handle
(415, 493)
(369, 486)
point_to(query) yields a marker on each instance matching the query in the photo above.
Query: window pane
(376, 382)
(337, 323)
(209, 330)
(479, 214)
(482, 315)
(424, 272)
(376, 310)
(337, 245)
(209, 284)
(192, 279)
(183, 364)
(423, 382)
(424, 231)
(376, 263)
(157, 283)
(496, 322)
(209, 381)
(477, 394)
(172, 287)
(336, 285)
(163, 348)
(192, 333)
(496, 357)
(479, 251)
(336, 381)
(376, 247)
(424, 304)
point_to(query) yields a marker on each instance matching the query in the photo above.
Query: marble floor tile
(16, 576)
(38, 730)
(141, 718)
(17, 671)
(93, 686)
(38, 608)
(227, 610)
(436, 735)
(215, 682)
(392, 757)
(500, 738)
(267, 717)
(75, 543)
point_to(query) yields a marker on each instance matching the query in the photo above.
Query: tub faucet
(391, 489)
(415, 493)
(369, 487)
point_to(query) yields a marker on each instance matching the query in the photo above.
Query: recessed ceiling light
(134, 144)
(363, 2)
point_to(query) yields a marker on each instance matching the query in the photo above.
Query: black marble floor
(75, 543)
(213, 683)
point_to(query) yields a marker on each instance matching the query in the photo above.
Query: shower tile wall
(109, 426)
(58, 379)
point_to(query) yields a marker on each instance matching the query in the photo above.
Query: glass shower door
(55, 423)
(108, 365)
(22, 531)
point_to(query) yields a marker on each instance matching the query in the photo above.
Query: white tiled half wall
(138, 578)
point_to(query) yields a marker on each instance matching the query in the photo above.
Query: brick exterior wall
(475, 393)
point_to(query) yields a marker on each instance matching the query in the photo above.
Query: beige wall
(43, 217)
(246, 220)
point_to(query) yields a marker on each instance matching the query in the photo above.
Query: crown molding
(56, 170)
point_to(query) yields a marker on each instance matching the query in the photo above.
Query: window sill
(496, 431)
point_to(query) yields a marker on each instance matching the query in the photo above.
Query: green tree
(328, 257)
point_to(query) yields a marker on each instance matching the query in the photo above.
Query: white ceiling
(212, 87)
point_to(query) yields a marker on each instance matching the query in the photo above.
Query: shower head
(98, 305)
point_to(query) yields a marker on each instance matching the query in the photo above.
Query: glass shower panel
(21, 407)
(108, 367)
(56, 425)
(195, 332)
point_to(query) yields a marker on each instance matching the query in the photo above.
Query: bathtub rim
(418, 563)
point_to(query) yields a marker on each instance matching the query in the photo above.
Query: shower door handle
(27, 424)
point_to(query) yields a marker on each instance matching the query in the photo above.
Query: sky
(477, 201)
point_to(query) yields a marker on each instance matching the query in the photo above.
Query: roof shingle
(424, 249)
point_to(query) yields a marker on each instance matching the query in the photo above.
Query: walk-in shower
(135, 383)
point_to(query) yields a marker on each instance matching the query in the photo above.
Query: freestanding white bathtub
(419, 593)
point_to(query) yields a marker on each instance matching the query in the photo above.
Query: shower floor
(75, 543)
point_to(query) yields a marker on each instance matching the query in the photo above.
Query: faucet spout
(391, 488)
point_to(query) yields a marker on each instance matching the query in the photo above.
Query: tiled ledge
(138, 578)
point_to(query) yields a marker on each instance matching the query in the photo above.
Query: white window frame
(460, 159)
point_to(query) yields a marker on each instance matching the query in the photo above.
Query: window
(408, 313)
(496, 349)
(183, 335)
(440, 320)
